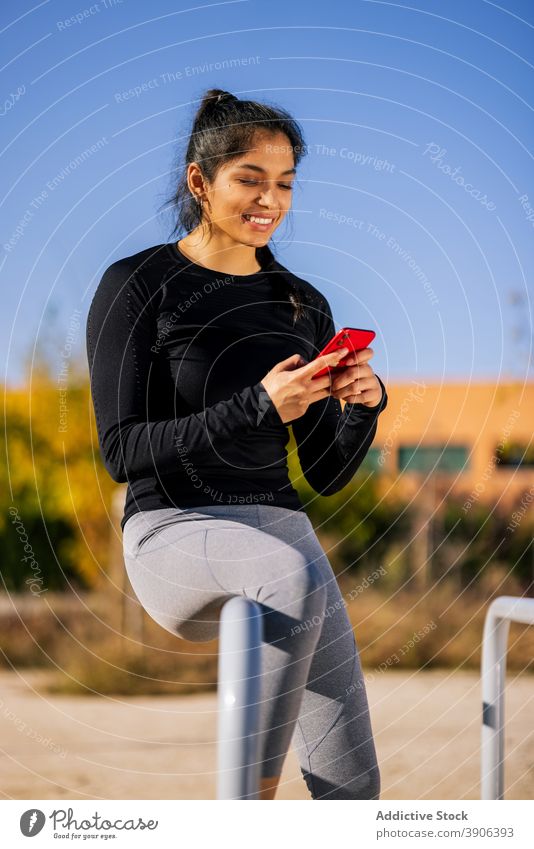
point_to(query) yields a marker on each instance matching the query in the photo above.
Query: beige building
(475, 438)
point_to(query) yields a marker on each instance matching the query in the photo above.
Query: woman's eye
(255, 183)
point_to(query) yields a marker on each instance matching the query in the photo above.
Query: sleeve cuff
(266, 409)
(360, 409)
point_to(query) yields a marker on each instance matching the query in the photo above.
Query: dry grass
(387, 626)
(81, 641)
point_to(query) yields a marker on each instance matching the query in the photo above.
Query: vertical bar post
(239, 694)
(500, 613)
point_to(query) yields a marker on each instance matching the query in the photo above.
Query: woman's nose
(268, 196)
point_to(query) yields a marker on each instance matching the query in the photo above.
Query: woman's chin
(257, 241)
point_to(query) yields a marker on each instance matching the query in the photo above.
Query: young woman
(200, 358)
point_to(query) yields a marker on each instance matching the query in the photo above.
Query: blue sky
(414, 211)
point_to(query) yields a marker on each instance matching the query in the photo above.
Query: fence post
(500, 613)
(239, 695)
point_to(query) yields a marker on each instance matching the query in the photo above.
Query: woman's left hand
(357, 383)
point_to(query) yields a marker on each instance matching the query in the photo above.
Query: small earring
(199, 200)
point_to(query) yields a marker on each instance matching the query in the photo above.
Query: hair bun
(225, 95)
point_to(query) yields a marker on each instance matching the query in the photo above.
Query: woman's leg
(184, 565)
(333, 735)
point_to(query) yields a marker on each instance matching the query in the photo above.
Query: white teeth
(257, 220)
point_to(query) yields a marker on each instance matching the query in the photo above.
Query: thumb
(292, 362)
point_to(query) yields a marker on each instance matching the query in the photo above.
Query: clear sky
(414, 210)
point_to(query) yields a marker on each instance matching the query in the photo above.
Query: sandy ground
(426, 726)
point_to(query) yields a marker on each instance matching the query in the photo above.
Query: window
(440, 458)
(515, 454)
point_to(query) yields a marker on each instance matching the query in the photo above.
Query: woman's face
(258, 183)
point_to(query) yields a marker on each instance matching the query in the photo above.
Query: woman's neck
(240, 259)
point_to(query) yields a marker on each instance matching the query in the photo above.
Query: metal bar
(239, 694)
(500, 613)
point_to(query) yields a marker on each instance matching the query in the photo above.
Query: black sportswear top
(176, 354)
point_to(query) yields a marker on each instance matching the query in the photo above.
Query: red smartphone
(353, 338)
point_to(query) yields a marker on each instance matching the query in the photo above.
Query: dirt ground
(426, 725)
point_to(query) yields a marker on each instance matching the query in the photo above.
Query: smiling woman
(240, 209)
(202, 354)
(237, 179)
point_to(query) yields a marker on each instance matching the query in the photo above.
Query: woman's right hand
(291, 388)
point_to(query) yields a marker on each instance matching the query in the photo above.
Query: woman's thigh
(183, 564)
(165, 563)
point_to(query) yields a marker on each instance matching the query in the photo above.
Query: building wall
(476, 415)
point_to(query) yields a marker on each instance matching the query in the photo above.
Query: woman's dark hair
(223, 129)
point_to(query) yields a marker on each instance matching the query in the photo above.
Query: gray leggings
(183, 564)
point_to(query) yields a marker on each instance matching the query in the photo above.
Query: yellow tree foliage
(53, 468)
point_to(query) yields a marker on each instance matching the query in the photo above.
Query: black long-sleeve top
(176, 354)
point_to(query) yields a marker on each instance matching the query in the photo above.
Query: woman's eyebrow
(263, 171)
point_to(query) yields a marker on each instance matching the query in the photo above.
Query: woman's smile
(257, 222)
